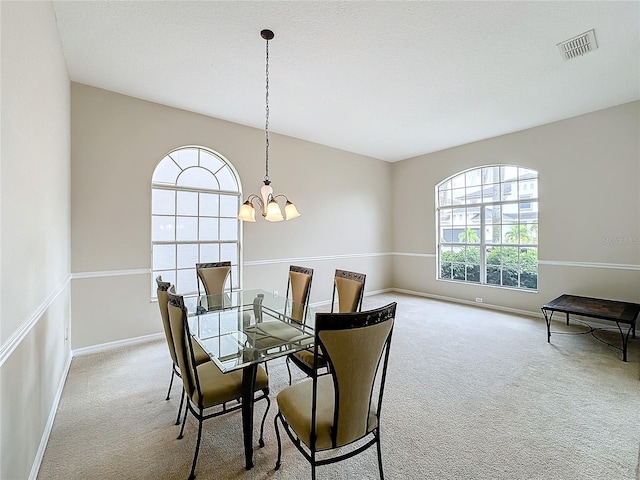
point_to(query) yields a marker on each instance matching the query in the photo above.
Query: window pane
(493, 255)
(187, 203)
(458, 181)
(526, 174)
(209, 252)
(228, 206)
(472, 255)
(492, 214)
(493, 234)
(512, 233)
(186, 228)
(166, 172)
(510, 256)
(445, 197)
(210, 161)
(209, 228)
(494, 275)
(185, 157)
(458, 196)
(473, 195)
(510, 213)
(196, 177)
(234, 277)
(508, 173)
(229, 251)
(209, 204)
(163, 202)
(187, 255)
(509, 191)
(459, 216)
(529, 268)
(227, 180)
(473, 273)
(473, 217)
(491, 193)
(473, 177)
(164, 257)
(162, 229)
(186, 281)
(490, 175)
(228, 229)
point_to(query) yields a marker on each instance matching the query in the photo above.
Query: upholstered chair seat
(218, 387)
(294, 403)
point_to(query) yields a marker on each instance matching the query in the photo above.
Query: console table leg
(547, 319)
(625, 340)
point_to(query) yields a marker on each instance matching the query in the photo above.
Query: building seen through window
(487, 224)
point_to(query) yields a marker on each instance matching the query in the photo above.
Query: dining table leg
(248, 385)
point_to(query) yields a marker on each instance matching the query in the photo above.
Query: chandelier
(269, 207)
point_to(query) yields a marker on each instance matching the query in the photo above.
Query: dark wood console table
(622, 313)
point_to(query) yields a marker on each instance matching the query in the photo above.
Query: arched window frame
(195, 197)
(487, 227)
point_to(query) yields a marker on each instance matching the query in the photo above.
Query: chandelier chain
(266, 124)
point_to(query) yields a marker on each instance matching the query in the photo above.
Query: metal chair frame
(175, 370)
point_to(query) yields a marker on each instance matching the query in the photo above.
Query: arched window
(487, 224)
(194, 205)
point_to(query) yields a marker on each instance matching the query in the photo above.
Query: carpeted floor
(471, 394)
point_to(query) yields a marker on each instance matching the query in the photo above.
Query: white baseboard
(103, 347)
(49, 425)
(468, 302)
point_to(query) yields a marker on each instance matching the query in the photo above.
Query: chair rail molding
(557, 263)
(7, 348)
(314, 259)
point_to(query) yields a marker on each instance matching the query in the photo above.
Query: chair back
(182, 342)
(354, 345)
(299, 286)
(163, 303)
(349, 286)
(213, 276)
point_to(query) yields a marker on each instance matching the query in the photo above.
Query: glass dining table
(241, 329)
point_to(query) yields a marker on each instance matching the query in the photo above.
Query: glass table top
(243, 327)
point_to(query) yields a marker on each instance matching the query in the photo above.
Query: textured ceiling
(390, 80)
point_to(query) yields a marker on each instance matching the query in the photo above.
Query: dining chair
(208, 390)
(349, 288)
(200, 355)
(213, 277)
(329, 412)
(298, 290)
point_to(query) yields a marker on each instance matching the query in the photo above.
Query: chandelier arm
(253, 197)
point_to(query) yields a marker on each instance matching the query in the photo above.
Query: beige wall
(117, 141)
(34, 231)
(589, 232)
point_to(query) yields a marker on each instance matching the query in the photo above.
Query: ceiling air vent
(579, 45)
